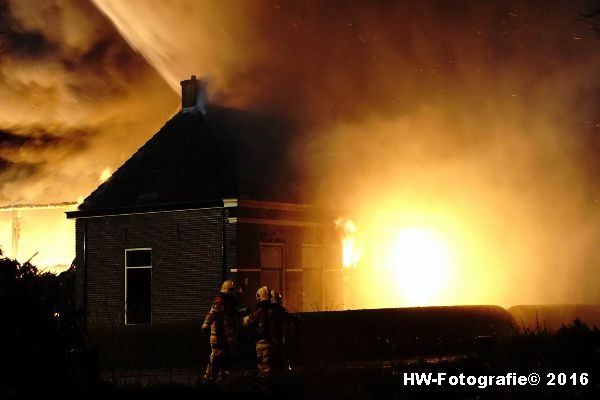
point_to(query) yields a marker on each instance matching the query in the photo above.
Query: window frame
(126, 287)
(319, 269)
(281, 270)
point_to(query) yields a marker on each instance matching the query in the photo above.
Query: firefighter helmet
(263, 293)
(276, 297)
(230, 287)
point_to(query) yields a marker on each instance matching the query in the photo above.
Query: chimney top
(193, 95)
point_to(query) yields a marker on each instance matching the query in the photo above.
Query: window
(275, 274)
(271, 256)
(333, 292)
(312, 257)
(271, 265)
(138, 286)
(312, 276)
(293, 290)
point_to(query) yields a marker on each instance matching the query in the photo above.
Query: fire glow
(433, 254)
(419, 263)
(462, 118)
(54, 254)
(351, 250)
(104, 175)
(416, 261)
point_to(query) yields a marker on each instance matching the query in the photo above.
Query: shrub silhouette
(42, 339)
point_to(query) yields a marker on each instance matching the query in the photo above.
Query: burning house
(209, 197)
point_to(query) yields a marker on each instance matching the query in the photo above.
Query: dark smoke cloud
(29, 154)
(69, 85)
(13, 141)
(27, 45)
(11, 171)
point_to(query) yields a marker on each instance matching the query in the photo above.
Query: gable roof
(202, 158)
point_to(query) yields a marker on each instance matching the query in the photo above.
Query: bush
(42, 337)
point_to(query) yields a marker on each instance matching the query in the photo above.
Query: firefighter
(222, 322)
(281, 330)
(260, 323)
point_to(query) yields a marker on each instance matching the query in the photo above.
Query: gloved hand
(244, 311)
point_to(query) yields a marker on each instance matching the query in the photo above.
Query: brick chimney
(193, 95)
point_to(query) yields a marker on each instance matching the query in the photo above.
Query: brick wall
(187, 262)
(188, 253)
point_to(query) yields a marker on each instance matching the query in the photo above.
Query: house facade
(196, 205)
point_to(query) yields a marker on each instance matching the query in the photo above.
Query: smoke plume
(70, 85)
(75, 99)
(476, 119)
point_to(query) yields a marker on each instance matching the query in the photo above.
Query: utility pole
(16, 233)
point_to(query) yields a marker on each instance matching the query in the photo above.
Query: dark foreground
(335, 383)
(572, 350)
(47, 351)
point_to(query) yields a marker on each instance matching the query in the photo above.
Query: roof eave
(145, 209)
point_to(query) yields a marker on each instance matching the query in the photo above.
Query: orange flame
(105, 174)
(351, 248)
(410, 264)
